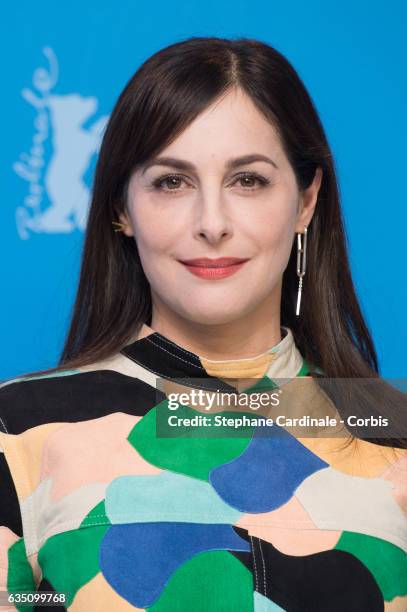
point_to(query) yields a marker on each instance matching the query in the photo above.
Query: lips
(206, 262)
(214, 269)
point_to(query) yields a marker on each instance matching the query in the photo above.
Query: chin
(213, 316)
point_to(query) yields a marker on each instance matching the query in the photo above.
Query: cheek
(155, 240)
(150, 227)
(152, 247)
(273, 229)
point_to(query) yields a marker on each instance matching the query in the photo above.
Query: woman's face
(223, 188)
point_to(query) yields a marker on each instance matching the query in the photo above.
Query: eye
(251, 180)
(169, 182)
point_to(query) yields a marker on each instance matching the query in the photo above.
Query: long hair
(162, 98)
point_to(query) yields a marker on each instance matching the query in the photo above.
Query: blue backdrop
(66, 63)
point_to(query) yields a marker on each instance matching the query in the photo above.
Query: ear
(125, 219)
(308, 201)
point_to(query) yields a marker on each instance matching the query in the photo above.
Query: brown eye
(248, 181)
(173, 182)
(169, 182)
(251, 180)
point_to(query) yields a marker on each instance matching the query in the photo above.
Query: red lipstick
(204, 267)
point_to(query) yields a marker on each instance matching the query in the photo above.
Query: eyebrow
(182, 164)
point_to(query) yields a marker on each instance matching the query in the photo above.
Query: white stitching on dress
(264, 568)
(4, 426)
(174, 355)
(255, 567)
(171, 343)
(201, 384)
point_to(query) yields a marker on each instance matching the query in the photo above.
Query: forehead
(230, 125)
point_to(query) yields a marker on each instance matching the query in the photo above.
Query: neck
(243, 338)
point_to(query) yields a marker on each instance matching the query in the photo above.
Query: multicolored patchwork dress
(103, 503)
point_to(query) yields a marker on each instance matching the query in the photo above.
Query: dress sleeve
(16, 574)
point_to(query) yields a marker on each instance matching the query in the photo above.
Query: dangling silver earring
(301, 262)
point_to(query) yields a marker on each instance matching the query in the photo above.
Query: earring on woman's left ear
(301, 264)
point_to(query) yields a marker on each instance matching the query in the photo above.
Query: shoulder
(24, 399)
(53, 396)
(72, 395)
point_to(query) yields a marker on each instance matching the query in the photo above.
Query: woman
(225, 269)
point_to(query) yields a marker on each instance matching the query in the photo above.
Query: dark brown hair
(161, 99)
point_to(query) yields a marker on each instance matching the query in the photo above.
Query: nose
(211, 220)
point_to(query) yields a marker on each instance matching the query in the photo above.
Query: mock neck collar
(167, 359)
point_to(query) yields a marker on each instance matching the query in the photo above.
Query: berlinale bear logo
(62, 149)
